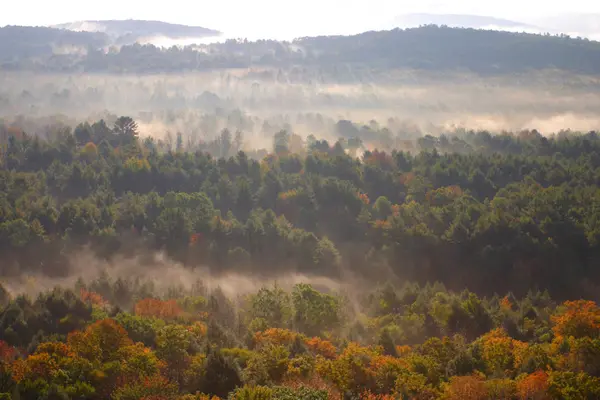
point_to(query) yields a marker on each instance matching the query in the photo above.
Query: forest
(460, 263)
(428, 48)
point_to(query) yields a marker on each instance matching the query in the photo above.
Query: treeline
(425, 48)
(122, 340)
(509, 213)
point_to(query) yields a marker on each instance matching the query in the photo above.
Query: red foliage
(196, 238)
(92, 298)
(7, 352)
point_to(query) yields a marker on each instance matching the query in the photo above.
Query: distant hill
(25, 42)
(130, 31)
(430, 48)
(443, 48)
(459, 21)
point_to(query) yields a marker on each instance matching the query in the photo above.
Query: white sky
(278, 18)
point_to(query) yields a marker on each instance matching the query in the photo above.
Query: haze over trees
(393, 215)
(427, 48)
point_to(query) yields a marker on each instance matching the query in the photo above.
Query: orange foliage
(47, 360)
(403, 350)
(380, 361)
(275, 336)
(196, 238)
(505, 304)
(199, 329)
(92, 298)
(533, 386)
(381, 224)
(466, 388)
(39, 365)
(314, 382)
(581, 318)
(157, 308)
(290, 194)
(19, 370)
(321, 347)
(56, 349)
(364, 198)
(100, 340)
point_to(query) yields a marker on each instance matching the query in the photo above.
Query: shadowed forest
(410, 214)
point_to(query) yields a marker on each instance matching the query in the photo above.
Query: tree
(221, 376)
(314, 312)
(281, 143)
(126, 130)
(578, 319)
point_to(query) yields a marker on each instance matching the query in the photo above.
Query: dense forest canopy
(477, 212)
(428, 48)
(489, 212)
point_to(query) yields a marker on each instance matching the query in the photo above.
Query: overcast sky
(278, 18)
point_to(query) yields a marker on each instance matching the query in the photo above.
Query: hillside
(430, 48)
(20, 43)
(129, 31)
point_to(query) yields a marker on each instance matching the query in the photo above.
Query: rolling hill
(131, 31)
(430, 48)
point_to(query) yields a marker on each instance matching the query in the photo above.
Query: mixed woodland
(467, 257)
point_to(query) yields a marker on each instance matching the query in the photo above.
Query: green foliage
(314, 312)
(221, 377)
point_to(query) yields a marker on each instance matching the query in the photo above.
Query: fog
(259, 102)
(163, 275)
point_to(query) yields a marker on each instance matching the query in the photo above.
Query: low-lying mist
(162, 274)
(261, 102)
